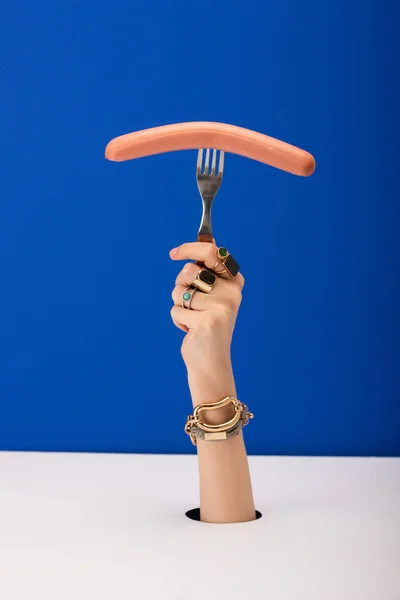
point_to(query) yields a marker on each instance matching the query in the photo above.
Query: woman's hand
(209, 326)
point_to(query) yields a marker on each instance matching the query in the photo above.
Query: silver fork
(208, 184)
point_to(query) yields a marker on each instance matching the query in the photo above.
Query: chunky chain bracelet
(198, 429)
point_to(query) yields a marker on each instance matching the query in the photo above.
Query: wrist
(209, 385)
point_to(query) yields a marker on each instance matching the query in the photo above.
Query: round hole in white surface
(194, 514)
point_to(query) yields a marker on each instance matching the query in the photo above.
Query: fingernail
(173, 252)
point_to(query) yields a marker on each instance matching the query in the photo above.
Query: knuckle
(186, 271)
(234, 299)
(207, 325)
(192, 270)
(215, 319)
(238, 297)
(226, 313)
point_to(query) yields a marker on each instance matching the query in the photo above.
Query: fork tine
(207, 163)
(221, 163)
(214, 162)
(199, 161)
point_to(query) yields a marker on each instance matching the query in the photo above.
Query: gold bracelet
(197, 429)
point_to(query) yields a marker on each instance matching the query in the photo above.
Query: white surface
(83, 526)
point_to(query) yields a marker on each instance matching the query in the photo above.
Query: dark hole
(194, 514)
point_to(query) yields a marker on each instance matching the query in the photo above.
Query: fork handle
(204, 237)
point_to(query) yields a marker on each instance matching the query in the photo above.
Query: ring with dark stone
(205, 281)
(228, 262)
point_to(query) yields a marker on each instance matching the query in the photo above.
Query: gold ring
(205, 281)
(228, 262)
(219, 263)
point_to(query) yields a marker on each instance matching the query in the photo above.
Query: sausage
(190, 136)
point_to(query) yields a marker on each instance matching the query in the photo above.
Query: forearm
(225, 486)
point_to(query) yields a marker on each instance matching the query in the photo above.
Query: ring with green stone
(187, 296)
(228, 262)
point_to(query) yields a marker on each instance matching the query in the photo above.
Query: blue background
(88, 354)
